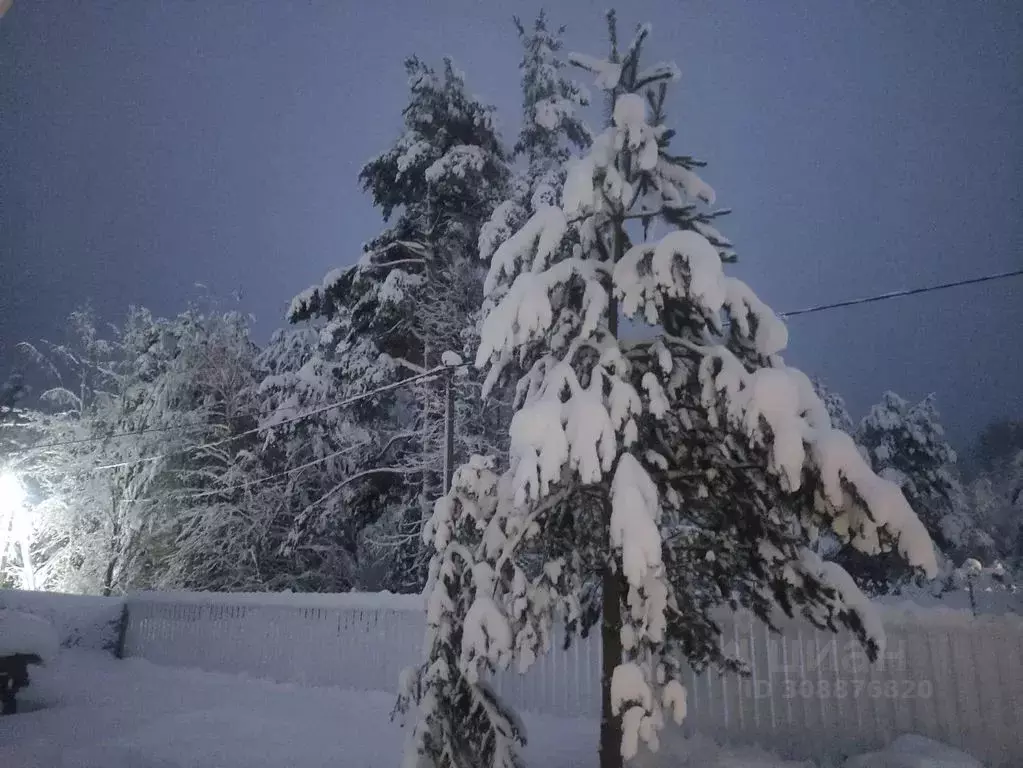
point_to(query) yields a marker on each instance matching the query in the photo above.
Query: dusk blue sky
(864, 146)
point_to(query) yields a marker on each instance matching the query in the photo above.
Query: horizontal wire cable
(263, 428)
(903, 292)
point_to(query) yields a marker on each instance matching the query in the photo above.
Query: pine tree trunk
(611, 657)
(611, 608)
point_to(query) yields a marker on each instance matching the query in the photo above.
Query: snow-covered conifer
(552, 128)
(552, 121)
(460, 720)
(906, 444)
(664, 477)
(412, 297)
(313, 515)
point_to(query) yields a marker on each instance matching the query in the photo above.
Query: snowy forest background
(178, 452)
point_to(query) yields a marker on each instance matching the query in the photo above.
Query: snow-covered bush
(140, 453)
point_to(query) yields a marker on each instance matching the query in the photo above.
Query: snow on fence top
(893, 612)
(81, 621)
(889, 610)
(937, 615)
(378, 601)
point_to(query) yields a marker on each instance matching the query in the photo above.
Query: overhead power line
(432, 373)
(256, 430)
(247, 483)
(904, 292)
(110, 436)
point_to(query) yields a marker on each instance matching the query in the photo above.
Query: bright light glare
(12, 492)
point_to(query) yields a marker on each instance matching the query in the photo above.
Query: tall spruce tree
(906, 443)
(411, 298)
(665, 477)
(323, 507)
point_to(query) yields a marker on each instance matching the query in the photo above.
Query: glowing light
(12, 492)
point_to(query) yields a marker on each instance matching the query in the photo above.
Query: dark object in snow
(14, 677)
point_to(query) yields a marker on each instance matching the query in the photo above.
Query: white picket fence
(947, 676)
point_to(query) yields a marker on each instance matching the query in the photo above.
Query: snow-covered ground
(103, 713)
(89, 710)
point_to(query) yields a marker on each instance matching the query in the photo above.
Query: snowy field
(99, 712)
(102, 713)
(89, 710)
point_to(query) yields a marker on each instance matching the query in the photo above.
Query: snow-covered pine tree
(665, 477)
(552, 127)
(906, 444)
(827, 543)
(314, 515)
(411, 298)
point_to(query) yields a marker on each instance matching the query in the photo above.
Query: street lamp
(12, 492)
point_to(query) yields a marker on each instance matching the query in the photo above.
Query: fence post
(122, 630)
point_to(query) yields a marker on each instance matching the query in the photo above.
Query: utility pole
(449, 427)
